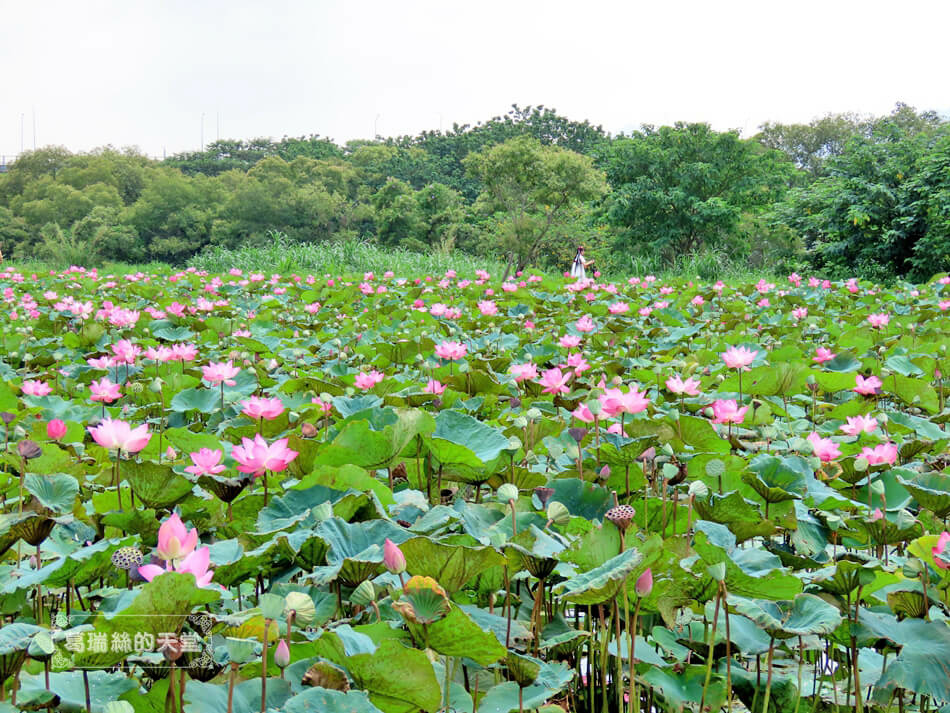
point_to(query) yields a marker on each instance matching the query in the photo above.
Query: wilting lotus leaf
(806, 614)
(32, 527)
(227, 489)
(213, 698)
(524, 669)
(890, 529)
(156, 485)
(451, 565)
(534, 550)
(602, 583)
(322, 700)
(161, 605)
(551, 679)
(908, 603)
(731, 509)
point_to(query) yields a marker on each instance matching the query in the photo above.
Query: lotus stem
(231, 679)
(768, 680)
(264, 668)
(709, 654)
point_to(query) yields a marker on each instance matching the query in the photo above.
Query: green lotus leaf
(602, 583)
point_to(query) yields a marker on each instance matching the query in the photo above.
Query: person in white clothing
(580, 264)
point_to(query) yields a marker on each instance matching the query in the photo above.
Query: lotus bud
(393, 557)
(155, 385)
(860, 464)
(604, 473)
(877, 487)
(533, 413)
(717, 571)
(302, 607)
(55, 429)
(282, 654)
(876, 515)
(507, 492)
(558, 513)
(668, 449)
(364, 594)
(645, 583)
(7, 417)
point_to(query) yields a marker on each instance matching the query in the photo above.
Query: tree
(680, 189)
(530, 189)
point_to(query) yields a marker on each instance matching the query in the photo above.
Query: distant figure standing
(579, 266)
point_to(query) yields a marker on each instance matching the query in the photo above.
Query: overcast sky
(143, 72)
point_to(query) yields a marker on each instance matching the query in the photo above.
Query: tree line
(843, 194)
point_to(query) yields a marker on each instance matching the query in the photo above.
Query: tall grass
(339, 257)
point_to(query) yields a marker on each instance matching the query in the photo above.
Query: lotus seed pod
(126, 558)
(136, 387)
(507, 492)
(364, 594)
(544, 494)
(558, 513)
(621, 516)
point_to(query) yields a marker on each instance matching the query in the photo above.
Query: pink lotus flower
(576, 362)
(256, 457)
(826, 449)
(35, 388)
(690, 387)
(857, 424)
(488, 308)
(569, 341)
(175, 542)
(451, 351)
(697, 301)
(583, 413)
(324, 406)
(618, 308)
(739, 357)
(822, 355)
(218, 372)
(868, 386)
(104, 390)
(938, 550)
(728, 411)
(800, 313)
(119, 435)
(523, 372)
(585, 324)
(184, 352)
(367, 380)
(433, 386)
(645, 583)
(55, 429)
(196, 563)
(125, 351)
(256, 407)
(206, 462)
(877, 515)
(879, 320)
(614, 401)
(555, 382)
(883, 454)
(393, 558)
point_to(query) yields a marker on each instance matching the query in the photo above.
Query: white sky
(142, 72)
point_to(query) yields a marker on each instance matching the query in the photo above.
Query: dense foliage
(844, 194)
(445, 492)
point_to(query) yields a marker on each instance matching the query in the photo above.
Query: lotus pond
(401, 493)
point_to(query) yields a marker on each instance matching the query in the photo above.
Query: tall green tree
(530, 189)
(680, 189)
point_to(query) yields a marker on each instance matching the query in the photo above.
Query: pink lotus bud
(645, 583)
(170, 453)
(605, 472)
(55, 429)
(282, 654)
(877, 515)
(393, 557)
